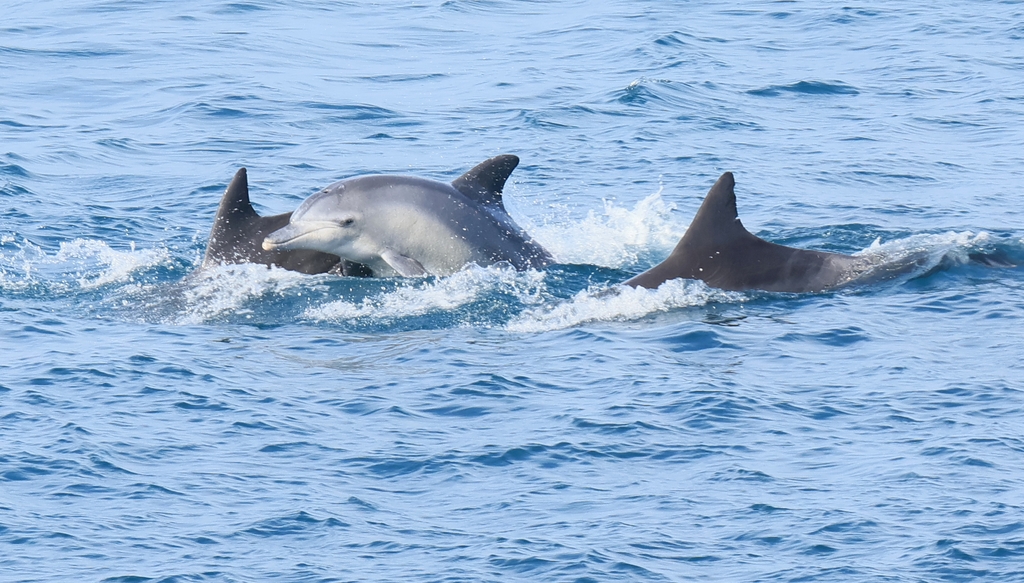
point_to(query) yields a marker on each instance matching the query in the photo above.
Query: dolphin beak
(283, 237)
(311, 235)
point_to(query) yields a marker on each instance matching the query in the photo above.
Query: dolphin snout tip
(269, 245)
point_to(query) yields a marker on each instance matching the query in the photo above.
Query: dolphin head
(323, 221)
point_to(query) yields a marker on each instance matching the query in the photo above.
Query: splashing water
(616, 237)
(416, 298)
(619, 303)
(80, 264)
(217, 291)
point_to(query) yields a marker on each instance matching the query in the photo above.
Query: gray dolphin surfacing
(719, 251)
(408, 226)
(238, 232)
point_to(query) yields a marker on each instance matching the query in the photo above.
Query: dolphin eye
(346, 222)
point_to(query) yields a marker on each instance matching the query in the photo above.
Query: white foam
(418, 297)
(89, 263)
(619, 303)
(116, 266)
(952, 245)
(225, 289)
(616, 237)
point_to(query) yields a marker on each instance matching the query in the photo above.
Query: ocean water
(159, 423)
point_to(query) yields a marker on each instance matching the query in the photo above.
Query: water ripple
(806, 88)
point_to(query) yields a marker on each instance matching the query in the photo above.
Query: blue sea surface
(160, 423)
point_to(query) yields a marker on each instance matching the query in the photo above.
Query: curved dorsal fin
(717, 220)
(486, 180)
(235, 202)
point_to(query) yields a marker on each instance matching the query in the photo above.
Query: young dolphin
(717, 250)
(238, 232)
(402, 225)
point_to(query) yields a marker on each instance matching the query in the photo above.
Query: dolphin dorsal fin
(717, 219)
(486, 180)
(235, 202)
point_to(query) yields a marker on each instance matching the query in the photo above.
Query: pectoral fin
(405, 266)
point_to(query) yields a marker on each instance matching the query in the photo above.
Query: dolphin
(408, 226)
(719, 251)
(238, 232)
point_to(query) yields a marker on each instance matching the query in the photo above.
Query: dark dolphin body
(238, 233)
(717, 250)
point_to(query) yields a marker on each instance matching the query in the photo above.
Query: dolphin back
(719, 251)
(483, 184)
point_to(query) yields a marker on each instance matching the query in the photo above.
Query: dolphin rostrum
(402, 225)
(719, 251)
(238, 233)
